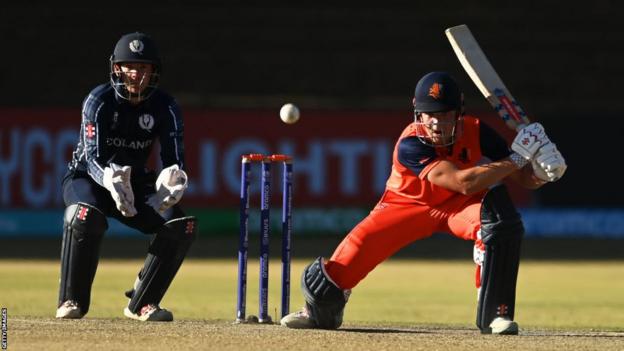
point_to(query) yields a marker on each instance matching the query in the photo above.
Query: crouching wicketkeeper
(108, 178)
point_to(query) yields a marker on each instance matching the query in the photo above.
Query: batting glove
(529, 140)
(548, 164)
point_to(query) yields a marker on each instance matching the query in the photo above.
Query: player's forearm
(173, 154)
(94, 168)
(478, 178)
(172, 148)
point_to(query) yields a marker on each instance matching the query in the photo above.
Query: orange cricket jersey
(415, 188)
(412, 208)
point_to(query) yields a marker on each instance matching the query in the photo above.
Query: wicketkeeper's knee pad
(83, 229)
(85, 220)
(184, 229)
(325, 301)
(501, 232)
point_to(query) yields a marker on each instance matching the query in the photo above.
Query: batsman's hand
(548, 164)
(117, 181)
(170, 186)
(529, 140)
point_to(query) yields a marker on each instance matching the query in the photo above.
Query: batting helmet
(135, 47)
(437, 92)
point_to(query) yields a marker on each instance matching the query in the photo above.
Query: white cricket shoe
(298, 320)
(150, 313)
(69, 310)
(504, 326)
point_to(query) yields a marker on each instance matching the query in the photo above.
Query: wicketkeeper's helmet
(135, 47)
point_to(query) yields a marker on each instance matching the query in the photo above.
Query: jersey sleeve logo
(90, 130)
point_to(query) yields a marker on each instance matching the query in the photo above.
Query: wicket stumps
(243, 244)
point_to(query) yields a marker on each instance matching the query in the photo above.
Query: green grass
(402, 305)
(567, 295)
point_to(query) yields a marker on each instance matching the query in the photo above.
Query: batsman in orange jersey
(446, 176)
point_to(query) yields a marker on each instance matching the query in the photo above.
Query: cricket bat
(485, 77)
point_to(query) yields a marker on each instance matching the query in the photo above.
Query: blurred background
(351, 69)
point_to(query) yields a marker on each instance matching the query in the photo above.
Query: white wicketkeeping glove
(548, 164)
(529, 140)
(117, 181)
(170, 186)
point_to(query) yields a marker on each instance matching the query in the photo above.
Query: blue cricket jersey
(115, 131)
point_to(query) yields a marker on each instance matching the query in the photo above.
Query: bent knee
(85, 218)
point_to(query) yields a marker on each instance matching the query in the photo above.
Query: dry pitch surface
(117, 334)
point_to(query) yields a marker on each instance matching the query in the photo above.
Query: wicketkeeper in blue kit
(107, 177)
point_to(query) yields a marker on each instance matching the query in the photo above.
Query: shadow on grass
(384, 331)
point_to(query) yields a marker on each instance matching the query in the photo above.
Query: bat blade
(480, 70)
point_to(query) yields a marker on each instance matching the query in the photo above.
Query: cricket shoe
(504, 326)
(298, 320)
(69, 310)
(150, 313)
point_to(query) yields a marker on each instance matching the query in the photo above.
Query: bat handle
(520, 126)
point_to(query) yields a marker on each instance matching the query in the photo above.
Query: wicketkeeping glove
(117, 181)
(170, 186)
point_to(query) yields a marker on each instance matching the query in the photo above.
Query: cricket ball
(289, 114)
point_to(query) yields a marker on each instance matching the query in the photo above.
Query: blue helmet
(135, 47)
(437, 92)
